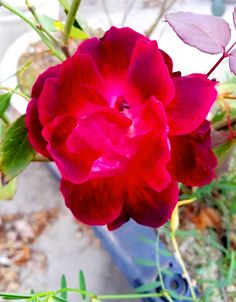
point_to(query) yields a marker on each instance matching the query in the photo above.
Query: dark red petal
(113, 52)
(148, 72)
(76, 145)
(156, 152)
(51, 72)
(117, 46)
(99, 131)
(94, 137)
(75, 92)
(118, 222)
(57, 133)
(192, 159)
(149, 207)
(91, 47)
(35, 128)
(48, 102)
(168, 61)
(80, 86)
(194, 97)
(78, 70)
(96, 202)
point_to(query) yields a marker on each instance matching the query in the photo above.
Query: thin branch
(44, 38)
(9, 89)
(39, 23)
(68, 26)
(181, 262)
(222, 124)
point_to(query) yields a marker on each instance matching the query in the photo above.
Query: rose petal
(51, 72)
(96, 202)
(168, 61)
(75, 92)
(35, 128)
(194, 97)
(57, 133)
(192, 159)
(149, 73)
(78, 145)
(49, 106)
(78, 70)
(156, 150)
(151, 208)
(113, 52)
(118, 222)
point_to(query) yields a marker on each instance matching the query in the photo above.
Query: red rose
(123, 129)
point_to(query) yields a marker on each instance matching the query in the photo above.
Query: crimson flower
(123, 129)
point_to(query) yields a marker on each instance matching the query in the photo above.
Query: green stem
(222, 124)
(167, 296)
(68, 26)
(181, 262)
(15, 91)
(34, 27)
(39, 23)
(75, 290)
(130, 296)
(34, 297)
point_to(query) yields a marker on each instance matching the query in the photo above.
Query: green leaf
(8, 191)
(59, 299)
(17, 152)
(63, 286)
(48, 23)
(208, 293)
(9, 296)
(148, 287)
(82, 284)
(232, 268)
(147, 240)
(164, 252)
(75, 33)
(166, 271)
(4, 102)
(65, 4)
(188, 233)
(146, 262)
(224, 154)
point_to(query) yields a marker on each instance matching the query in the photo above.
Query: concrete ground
(68, 246)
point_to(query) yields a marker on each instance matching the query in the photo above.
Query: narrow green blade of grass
(82, 284)
(63, 286)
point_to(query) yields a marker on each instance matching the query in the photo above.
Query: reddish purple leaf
(232, 61)
(234, 17)
(209, 34)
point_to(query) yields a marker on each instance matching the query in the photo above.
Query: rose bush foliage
(123, 129)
